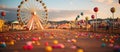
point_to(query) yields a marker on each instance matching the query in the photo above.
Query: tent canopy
(15, 22)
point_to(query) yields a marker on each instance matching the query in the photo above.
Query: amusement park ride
(80, 23)
(33, 13)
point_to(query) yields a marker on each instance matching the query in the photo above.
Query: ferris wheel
(33, 13)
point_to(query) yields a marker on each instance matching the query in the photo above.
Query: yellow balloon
(106, 40)
(76, 36)
(74, 40)
(103, 39)
(33, 42)
(80, 50)
(37, 43)
(12, 43)
(48, 49)
(91, 36)
(55, 42)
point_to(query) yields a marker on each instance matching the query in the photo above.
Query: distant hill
(58, 22)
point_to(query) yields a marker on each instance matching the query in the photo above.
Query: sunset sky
(69, 9)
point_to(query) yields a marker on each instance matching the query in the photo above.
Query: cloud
(57, 15)
(109, 2)
(2, 6)
(4, 10)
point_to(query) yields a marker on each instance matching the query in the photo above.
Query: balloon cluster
(28, 46)
(2, 44)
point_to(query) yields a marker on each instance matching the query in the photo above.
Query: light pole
(93, 16)
(96, 10)
(86, 18)
(113, 11)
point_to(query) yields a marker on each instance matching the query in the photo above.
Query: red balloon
(112, 10)
(46, 43)
(25, 47)
(92, 16)
(96, 9)
(29, 47)
(78, 23)
(34, 39)
(3, 13)
(82, 21)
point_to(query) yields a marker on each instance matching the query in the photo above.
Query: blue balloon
(103, 45)
(2, 45)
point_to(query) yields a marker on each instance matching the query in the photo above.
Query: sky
(69, 9)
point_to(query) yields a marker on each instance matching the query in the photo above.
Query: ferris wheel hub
(33, 13)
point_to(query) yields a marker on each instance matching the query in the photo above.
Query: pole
(86, 25)
(96, 23)
(113, 23)
(3, 17)
(93, 25)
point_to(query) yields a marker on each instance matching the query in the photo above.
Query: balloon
(111, 41)
(112, 9)
(96, 9)
(3, 45)
(29, 43)
(61, 45)
(74, 40)
(55, 42)
(110, 45)
(82, 14)
(86, 18)
(48, 49)
(116, 46)
(3, 13)
(78, 16)
(34, 39)
(91, 36)
(11, 43)
(68, 41)
(46, 43)
(103, 45)
(82, 21)
(76, 36)
(37, 43)
(92, 16)
(25, 47)
(29, 47)
(80, 50)
(58, 46)
(73, 47)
